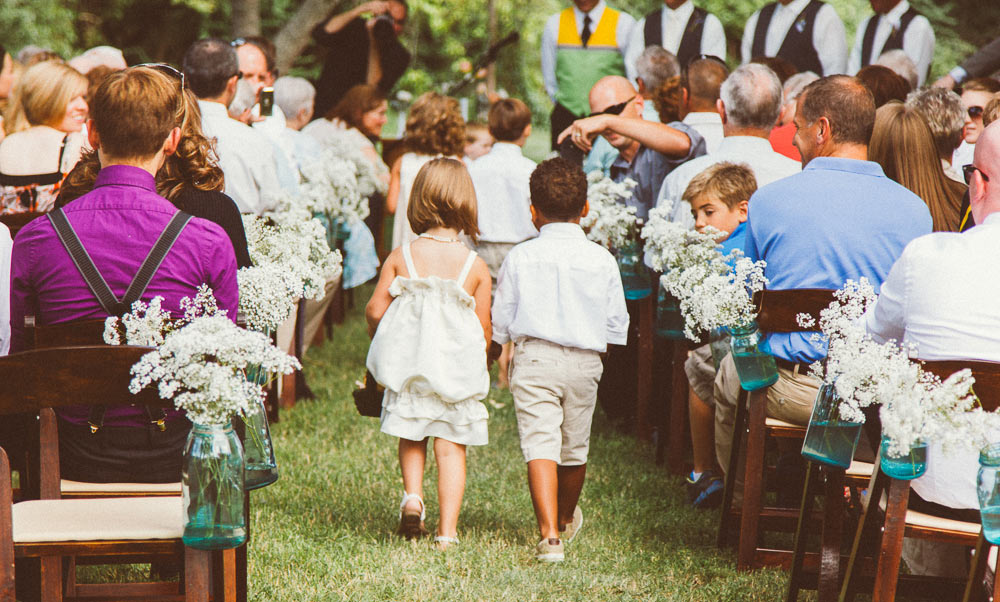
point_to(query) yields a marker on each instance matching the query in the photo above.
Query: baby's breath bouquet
(609, 222)
(672, 246)
(339, 183)
(147, 324)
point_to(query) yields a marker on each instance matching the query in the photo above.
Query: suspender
(99, 287)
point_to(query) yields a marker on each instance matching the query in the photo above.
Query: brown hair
(355, 103)
(903, 145)
(731, 183)
(845, 102)
(782, 68)
(95, 77)
(667, 100)
(507, 119)
(981, 84)
(42, 94)
(991, 111)
(435, 126)
(558, 189)
(134, 111)
(472, 128)
(884, 84)
(443, 195)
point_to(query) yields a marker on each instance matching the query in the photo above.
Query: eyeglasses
(968, 170)
(975, 112)
(238, 42)
(167, 70)
(613, 109)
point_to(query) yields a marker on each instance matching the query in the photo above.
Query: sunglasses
(167, 70)
(968, 170)
(613, 109)
(975, 112)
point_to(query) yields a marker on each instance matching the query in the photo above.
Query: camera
(384, 27)
(267, 102)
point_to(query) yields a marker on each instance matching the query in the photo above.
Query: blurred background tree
(445, 36)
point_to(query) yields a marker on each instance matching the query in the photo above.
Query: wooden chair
(16, 221)
(777, 313)
(900, 522)
(111, 529)
(983, 583)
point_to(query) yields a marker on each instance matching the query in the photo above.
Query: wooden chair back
(16, 221)
(987, 375)
(778, 310)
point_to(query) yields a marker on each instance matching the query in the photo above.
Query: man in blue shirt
(840, 218)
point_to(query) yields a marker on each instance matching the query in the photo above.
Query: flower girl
(430, 321)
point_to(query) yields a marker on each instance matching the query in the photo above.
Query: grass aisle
(324, 531)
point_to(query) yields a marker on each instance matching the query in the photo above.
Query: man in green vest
(580, 45)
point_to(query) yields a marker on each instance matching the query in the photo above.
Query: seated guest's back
(134, 126)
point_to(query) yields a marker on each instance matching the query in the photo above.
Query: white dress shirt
(709, 125)
(829, 36)
(246, 157)
(550, 34)
(501, 180)
(767, 165)
(673, 22)
(562, 288)
(6, 245)
(918, 41)
(941, 296)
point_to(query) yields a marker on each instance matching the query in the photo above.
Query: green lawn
(324, 531)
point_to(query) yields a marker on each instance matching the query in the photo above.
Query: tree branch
(294, 35)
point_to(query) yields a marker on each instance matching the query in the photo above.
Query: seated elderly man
(647, 151)
(133, 126)
(840, 218)
(941, 298)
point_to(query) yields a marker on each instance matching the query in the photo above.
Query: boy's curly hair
(435, 126)
(558, 189)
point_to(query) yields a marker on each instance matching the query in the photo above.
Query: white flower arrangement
(203, 367)
(292, 260)
(339, 183)
(609, 222)
(146, 325)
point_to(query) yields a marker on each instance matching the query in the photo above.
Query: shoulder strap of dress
(466, 268)
(412, 269)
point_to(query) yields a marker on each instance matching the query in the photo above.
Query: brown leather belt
(797, 368)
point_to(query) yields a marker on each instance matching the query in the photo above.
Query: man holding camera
(361, 50)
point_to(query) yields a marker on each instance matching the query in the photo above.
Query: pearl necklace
(437, 238)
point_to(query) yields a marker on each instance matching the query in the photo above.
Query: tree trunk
(294, 35)
(246, 17)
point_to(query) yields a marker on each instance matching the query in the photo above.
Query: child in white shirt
(560, 300)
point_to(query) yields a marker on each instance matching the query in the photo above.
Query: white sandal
(411, 524)
(444, 542)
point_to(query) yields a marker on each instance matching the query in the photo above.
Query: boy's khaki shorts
(700, 371)
(555, 393)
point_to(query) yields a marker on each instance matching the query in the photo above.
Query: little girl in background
(430, 321)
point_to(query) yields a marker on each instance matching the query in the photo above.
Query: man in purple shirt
(133, 127)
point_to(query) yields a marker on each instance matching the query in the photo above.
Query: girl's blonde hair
(903, 145)
(42, 94)
(435, 126)
(443, 195)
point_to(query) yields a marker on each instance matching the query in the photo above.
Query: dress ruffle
(416, 417)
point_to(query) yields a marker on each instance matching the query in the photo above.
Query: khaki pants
(790, 399)
(315, 310)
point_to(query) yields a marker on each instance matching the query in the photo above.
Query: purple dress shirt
(117, 223)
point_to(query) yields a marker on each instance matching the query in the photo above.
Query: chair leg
(7, 588)
(833, 518)
(753, 481)
(799, 551)
(224, 576)
(678, 409)
(977, 572)
(887, 573)
(197, 564)
(51, 579)
(728, 515)
(644, 376)
(867, 529)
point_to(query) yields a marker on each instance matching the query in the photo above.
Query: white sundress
(430, 355)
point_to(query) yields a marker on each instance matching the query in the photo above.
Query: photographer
(361, 51)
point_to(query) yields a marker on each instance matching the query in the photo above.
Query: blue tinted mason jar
(212, 485)
(910, 465)
(635, 276)
(830, 439)
(988, 488)
(755, 365)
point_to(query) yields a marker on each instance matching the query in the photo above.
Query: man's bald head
(610, 90)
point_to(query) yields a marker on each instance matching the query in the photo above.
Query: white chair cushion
(98, 519)
(775, 423)
(129, 488)
(919, 519)
(860, 469)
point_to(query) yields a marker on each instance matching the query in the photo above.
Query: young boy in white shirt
(501, 181)
(560, 300)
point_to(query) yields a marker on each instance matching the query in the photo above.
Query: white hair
(795, 84)
(292, 94)
(245, 98)
(752, 96)
(656, 65)
(99, 56)
(901, 64)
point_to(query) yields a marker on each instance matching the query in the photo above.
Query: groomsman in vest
(580, 45)
(894, 26)
(807, 33)
(681, 28)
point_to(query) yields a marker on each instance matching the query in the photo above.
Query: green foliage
(42, 22)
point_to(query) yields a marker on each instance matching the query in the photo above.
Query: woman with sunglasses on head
(190, 178)
(44, 123)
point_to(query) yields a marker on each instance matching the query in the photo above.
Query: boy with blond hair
(718, 197)
(560, 300)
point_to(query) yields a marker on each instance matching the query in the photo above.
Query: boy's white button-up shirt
(562, 288)
(501, 180)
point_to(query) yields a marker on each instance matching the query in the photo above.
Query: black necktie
(585, 34)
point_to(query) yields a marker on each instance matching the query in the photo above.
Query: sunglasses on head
(167, 70)
(975, 112)
(613, 109)
(968, 170)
